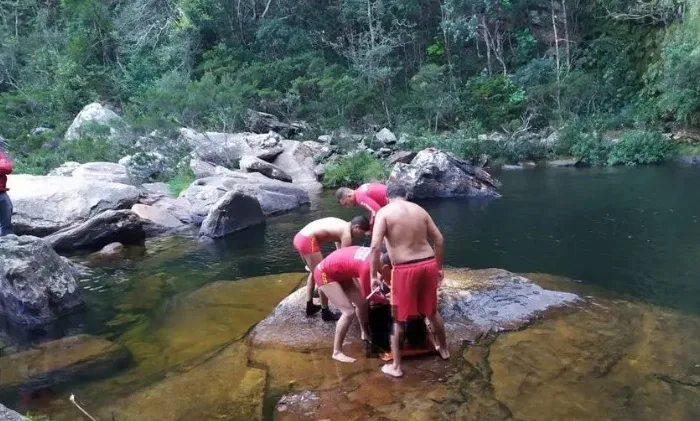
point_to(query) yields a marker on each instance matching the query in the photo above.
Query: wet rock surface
(63, 360)
(122, 226)
(44, 205)
(472, 303)
(36, 285)
(237, 210)
(433, 173)
(7, 414)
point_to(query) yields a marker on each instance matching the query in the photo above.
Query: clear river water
(627, 236)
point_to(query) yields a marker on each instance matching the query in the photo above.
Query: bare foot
(339, 356)
(444, 353)
(391, 370)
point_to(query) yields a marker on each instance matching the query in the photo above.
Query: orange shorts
(414, 289)
(306, 245)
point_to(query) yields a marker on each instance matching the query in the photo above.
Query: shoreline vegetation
(492, 81)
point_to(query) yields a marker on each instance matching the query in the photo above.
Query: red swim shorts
(322, 278)
(306, 245)
(414, 289)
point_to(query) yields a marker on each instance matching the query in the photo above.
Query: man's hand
(441, 276)
(376, 282)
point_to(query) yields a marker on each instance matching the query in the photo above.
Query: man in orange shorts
(371, 196)
(335, 277)
(407, 229)
(308, 243)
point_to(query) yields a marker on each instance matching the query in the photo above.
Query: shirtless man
(371, 196)
(407, 228)
(308, 243)
(336, 277)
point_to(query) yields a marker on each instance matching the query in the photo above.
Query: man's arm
(368, 203)
(5, 164)
(375, 248)
(345, 240)
(435, 236)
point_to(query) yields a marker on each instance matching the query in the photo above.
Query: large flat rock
(44, 205)
(55, 362)
(472, 302)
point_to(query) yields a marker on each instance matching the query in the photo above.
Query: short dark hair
(385, 259)
(341, 193)
(394, 190)
(360, 221)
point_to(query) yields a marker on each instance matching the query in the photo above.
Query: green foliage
(41, 161)
(640, 147)
(181, 180)
(352, 171)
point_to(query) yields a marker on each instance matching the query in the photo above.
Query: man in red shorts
(335, 277)
(308, 243)
(407, 229)
(371, 196)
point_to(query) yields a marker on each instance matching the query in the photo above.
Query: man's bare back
(407, 230)
(327, 230)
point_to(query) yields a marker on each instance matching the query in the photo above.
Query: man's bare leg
(361, 308)
(438, 326)
(312, 260)
(337, 296)
(394, 369)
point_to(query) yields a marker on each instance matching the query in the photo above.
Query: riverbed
(625, 236)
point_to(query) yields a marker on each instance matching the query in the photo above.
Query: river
(623, 233)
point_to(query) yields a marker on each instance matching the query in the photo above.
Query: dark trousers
(5, 214)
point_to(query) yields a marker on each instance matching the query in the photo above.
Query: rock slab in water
(44, 205)
(238, 209)
(472, 302)
(36, 284)
(7, 414)
(434, 173)
(156, 215)
(565, 163)
(253, 164)
(121, 226)
(60, 361)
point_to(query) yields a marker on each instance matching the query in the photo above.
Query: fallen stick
(72, 399)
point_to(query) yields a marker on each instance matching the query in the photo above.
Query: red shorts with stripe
(322, 277)
(306, 245)
(414, 289)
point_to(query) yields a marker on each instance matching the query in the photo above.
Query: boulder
(258, 122)
(96, 120)
(112, 251)
(227, 149)
(565, 163)
(401, 157)
(385, 137)
(326, 138)
(156, 215)
(7, 414)
(275, 197)
(103, 171)
(472, 303)
(237, 210)
(65, 170)
(153, 192)
(253, 164)
(383, 153)
(36, 285)
(201, 169)
(433, 173)
(144, 166)
(72, 358)
(180, 209)
(297, 160)
(44, 205)
(122, 226)
(320, 171)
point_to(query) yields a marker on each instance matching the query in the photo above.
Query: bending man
(371, 196)
(335, 277)
(308, 243)
(407, 229)
(5, 202)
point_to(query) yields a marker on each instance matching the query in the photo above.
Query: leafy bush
(180, 180)
(591, 148)
(82, 150)
(351, 171)
(640, 147)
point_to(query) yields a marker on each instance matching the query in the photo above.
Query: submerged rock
(68, 359)
(238, 209)
(36, 285)
(7, 414)
(44, 205)
(433, 173)
(122, 226)
(472, 302)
